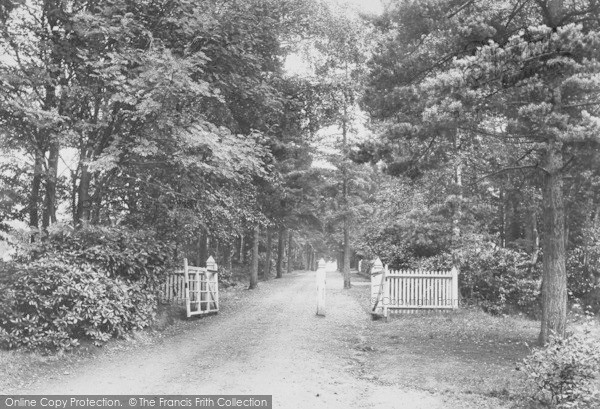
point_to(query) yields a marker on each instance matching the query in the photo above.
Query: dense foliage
(133, 255)
(55, 304)
(91, 283)
(564, 373)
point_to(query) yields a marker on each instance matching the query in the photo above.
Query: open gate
(197, 287)
(201, 288)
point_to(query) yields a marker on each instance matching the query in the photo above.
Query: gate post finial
(211, 264)
(377, 266)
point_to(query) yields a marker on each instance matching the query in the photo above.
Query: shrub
(582, 270)
(226, 277)
(563, 372)
(136, 255)
(366, 266)
(501, 280)
(93, 283)
(9, 272)
(55, 304)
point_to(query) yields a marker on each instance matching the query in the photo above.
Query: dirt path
(272, 343)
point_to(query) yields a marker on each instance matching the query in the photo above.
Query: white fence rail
(408, 291)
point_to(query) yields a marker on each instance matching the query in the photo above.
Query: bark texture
(280, 252)
(267, 270)
(554, 279)
(290, 254)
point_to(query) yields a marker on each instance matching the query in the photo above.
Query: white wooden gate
(198, 287)
(407, 291)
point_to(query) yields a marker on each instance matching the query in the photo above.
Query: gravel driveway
(268, 341)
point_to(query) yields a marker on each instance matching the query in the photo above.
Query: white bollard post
(321, 284)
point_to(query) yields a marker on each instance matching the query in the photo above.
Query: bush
(501, 280)
(563, 372)
(93, 283)
(582, 270)
(136, 255)
(226, 277)
(366, 266)
(55, 304)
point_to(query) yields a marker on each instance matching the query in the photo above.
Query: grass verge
(467, 355)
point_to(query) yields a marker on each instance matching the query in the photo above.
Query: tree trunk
(51, 13)
(254, 270)
(241, 257)
(83, 201)
(267, 270)
(306, 257)
(216, 252)
(280, 251)
(96, 200)
(457, 208)
(290, 251)
(74, 196)
(198, 249)
(346, 268)
(207, 252)
(535, 239)
(502, 211)
(51, 176)
(345, 207)
(229, 250)
(202, 248)
(554, 279)
(34, 218)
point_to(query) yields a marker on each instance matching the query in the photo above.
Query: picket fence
(197, 287)
(410, 291)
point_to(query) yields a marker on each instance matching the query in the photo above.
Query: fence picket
(411, 291)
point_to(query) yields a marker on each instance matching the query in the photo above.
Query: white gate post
(213, 270)
(187, 288)
(321, 283)
(385, 293)
(359, 266)
(377, 287)
(455, 295)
